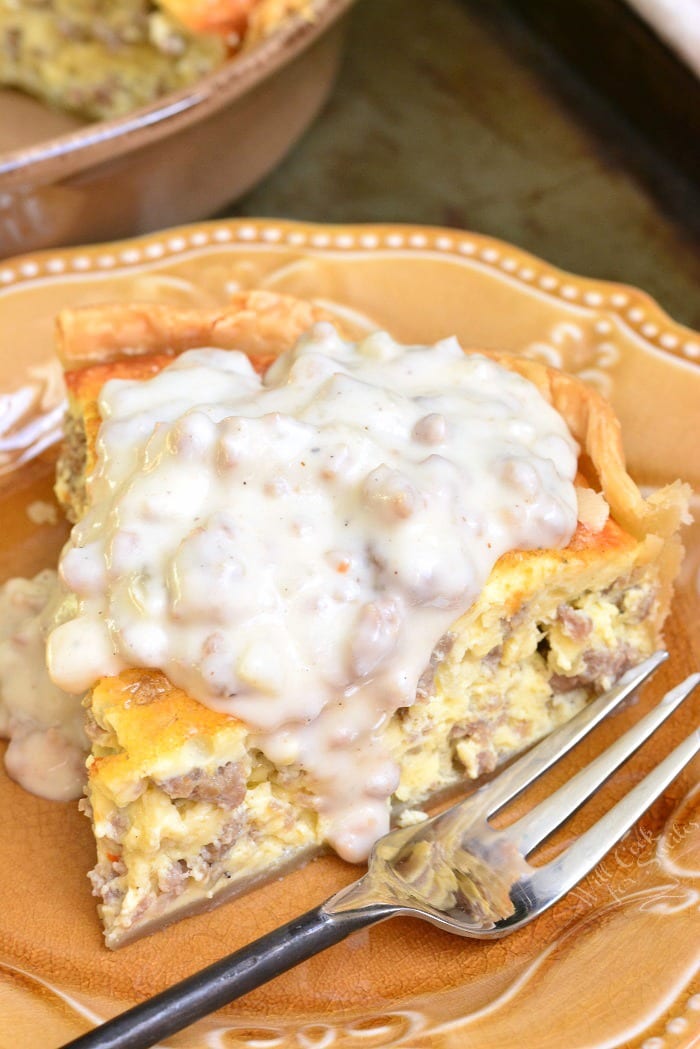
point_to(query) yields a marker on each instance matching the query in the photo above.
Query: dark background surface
(462, 113)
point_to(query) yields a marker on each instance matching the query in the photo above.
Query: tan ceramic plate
(615, 963)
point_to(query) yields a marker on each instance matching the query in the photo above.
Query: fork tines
(511, 781)
(548, 883)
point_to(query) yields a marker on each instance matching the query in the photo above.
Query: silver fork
(455, 870)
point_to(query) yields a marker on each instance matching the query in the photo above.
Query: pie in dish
(194, 799)
(101, 60)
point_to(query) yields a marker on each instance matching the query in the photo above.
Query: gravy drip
(290, 550)
(46, 752)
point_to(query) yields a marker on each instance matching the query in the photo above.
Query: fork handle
(227, 979)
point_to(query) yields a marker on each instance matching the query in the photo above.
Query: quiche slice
(186, 808)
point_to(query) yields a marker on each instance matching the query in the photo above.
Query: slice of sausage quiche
(203, 778)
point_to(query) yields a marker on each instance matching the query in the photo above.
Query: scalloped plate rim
(26, 268)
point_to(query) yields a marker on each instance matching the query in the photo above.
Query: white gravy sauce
(46, 752)
(290, 550)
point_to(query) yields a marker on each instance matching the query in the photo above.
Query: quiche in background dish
(101, 60)
(197, 787)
